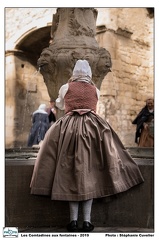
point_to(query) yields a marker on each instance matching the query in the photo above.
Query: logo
(10, 232)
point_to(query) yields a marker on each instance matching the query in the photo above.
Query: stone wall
(133, 208)
(21, 20)
(23, 96)
(25, 87)
(127, 33)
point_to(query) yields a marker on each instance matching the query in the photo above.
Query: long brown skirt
(146, 139)
(83, 158)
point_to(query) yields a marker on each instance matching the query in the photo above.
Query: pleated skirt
(83, 158)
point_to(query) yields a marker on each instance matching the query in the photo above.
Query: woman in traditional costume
(40, 125)
(82, 158)
(144, 121)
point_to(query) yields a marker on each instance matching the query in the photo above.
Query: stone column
(9, 98)
(72, 38)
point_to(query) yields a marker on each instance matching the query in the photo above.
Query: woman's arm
(60, 100)
(98, 92)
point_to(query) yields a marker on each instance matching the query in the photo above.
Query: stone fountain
(72, 38)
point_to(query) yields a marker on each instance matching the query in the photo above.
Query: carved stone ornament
(73, 37)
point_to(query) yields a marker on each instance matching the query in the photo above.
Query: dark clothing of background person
(52, 117)
(40, 125)
(51, 112)
(144, 116)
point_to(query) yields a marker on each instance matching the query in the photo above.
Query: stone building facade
(127, 33)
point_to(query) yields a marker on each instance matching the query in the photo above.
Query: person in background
(144, 121)
(81, 157)
(52, 112)
(40, 125)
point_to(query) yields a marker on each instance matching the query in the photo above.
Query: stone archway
(25, 89)
(34, 42)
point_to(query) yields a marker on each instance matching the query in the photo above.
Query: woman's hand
(145, 126)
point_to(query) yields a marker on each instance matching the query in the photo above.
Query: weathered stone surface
(133, 208)
(73, 38)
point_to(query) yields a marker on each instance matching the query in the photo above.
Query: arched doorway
(25, 87)
(34, 42)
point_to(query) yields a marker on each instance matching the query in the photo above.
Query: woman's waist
(80, 111)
